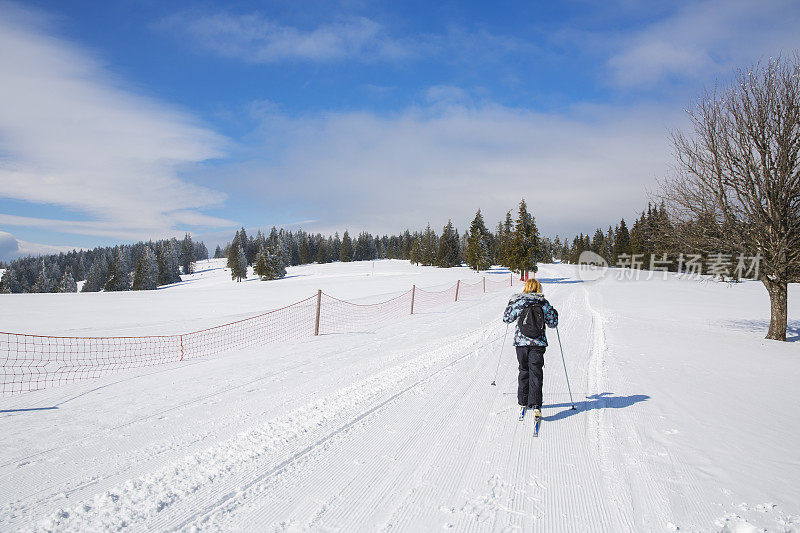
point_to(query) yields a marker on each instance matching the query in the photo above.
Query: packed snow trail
(400, 430)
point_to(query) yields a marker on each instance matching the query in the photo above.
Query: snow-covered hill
(685, 420)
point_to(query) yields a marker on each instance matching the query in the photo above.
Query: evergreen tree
(430, 245)
(504, 244)
(598, 242)
(145, 278)
(43, 282)
(118, 275)
(80, 269)
(9, 283)
(477, 252)
(523, 242)
(238, 261)
(322, 252)
(415, 253)
(67, 283)
(167, 258)
(447, 254)
(261, 267)
(268, 264)
(259, 242)
(232, 255)
(346, 252)
(282, 253)
(305, 250)
(336, 248)
(97, 275)
(187, 255)
(622, 241)
(218, 253)
(200, 251)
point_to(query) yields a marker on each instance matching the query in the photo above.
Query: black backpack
(531, 320)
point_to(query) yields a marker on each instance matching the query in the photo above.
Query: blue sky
(132, 120)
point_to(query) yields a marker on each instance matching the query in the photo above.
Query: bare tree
(736, 188)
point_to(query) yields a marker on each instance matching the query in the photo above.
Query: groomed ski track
(394, 430)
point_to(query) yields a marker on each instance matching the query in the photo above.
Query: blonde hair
(532, 285)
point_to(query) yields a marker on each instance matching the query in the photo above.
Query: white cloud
(385, 173)
(72, 136)
(12, 248)
(705, 40)
(257, 39)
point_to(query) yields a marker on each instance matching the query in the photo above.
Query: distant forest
(140, 266)
(515, 243)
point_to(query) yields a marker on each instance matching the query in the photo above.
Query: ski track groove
(655, 486)
(234, 487)
(327, 479)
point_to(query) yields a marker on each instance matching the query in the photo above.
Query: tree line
(516, 244)
(139, 266)
(617, 245)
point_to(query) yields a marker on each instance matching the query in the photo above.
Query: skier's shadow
(604, 400)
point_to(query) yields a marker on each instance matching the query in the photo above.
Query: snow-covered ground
(687, 419)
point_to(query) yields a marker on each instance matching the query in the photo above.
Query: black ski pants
(531, 375)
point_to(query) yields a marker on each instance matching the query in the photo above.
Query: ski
(522, 413)
(537, 421)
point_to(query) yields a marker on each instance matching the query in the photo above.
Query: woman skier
(531, 311)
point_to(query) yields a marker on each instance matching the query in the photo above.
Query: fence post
(181, 347)
(458, 284)
(413, 293)
(319, 304)
(484, 284)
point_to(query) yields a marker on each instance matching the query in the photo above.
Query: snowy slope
(209, 297)
(684, 420)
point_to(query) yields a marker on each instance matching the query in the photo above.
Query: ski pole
(499, 357)
(565, 368)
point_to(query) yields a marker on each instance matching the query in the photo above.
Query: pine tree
(268, 265)
(346, 252)
(145, 278)
(218, 253)
(447, 254)
(415, 252)
(232, 255)
(598, 242)
(523, 242)
(261, 267)
(276, 267)
(305, 250)
(97, 275)
(167, 263)
(477, 252)
(118, 275)
(67, 283)
(187, 255)
(5, 281)
(9, 283)
(336, 247)
(430, 245)
(622, 241)
(322, 252)
(504, 240)
(238, 260)
(43, 283)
